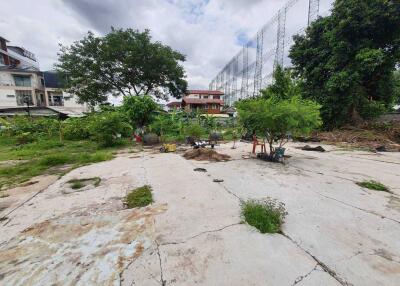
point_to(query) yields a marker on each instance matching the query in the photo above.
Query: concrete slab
(336, 233)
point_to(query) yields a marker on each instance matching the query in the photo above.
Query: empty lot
(336, 233)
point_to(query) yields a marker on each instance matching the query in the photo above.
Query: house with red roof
(206, 101)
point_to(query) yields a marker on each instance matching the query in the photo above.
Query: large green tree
(125, 62)
(346, 60)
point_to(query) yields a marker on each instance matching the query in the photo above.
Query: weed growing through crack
(139, 197)
(265, 215)
(373, 185)
(80, 183)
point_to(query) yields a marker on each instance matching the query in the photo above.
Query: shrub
(139, 197)
(373, 185)
(372, 109)
(276, 118)
(77, 128)
(267, 215)
(25, 138)
(35, 126)
(107, 128)
(195, 130)
(139, 109)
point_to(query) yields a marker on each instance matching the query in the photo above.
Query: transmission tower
(313, 10)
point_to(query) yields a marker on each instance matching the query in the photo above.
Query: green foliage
(108, 128)
(348, 58)
(374, 185)
(24, 138)
(80, 183)
(139, 197)
(40, 126)
(267, 215)
(140, 110)
(77, 128)
(123, 62)
(45, 155)
(275, 119)
(283, 87)
(195, 130)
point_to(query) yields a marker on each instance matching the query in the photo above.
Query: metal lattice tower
(259, 63)
(280, 37)
(245, 73)
(313, 10)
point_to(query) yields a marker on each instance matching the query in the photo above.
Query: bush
(139, 197)
(41, 126)
(107, 128)
(267, 216)
(276, 118)
(195, 130)
(55, 160)
(372, 109)
(77, 128)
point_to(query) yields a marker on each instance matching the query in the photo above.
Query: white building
(23, 84)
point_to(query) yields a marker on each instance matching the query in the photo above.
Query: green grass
(374, 185)
(267, 215)
(139, 197)
(80, 183)
(46, 156)
(77, 185)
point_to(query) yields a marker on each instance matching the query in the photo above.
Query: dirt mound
(203, 154)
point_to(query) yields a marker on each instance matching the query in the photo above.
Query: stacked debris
(204, 154)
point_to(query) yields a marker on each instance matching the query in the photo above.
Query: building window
(22, 80)
(24, 97)
(56, 99)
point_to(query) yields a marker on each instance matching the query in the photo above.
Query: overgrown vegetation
(374, 185)
(265, 215)
(346, 60)
(55, 146)
(139, 197)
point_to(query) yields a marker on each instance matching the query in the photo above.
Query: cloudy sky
(208, 32)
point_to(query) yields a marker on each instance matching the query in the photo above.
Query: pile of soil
(382, 137)
(204, 154)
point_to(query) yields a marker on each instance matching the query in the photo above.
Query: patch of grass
(44, 156)
(80, 183)
(374, 185)
(139, 197)
(77, 185)
(266, 215)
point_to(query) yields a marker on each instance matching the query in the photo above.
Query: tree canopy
(275, 118)
(346, 60)
(140, 110)
(123, 62)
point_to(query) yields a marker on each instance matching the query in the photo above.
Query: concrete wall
(5, 100)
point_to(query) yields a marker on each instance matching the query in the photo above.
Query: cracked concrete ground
(336, 233)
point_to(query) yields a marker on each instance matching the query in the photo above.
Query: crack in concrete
(21, 205)
(332, 273)
(302, 277)
(200, 234)
(162, 281)
(358, 208)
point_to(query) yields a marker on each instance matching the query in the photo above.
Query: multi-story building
(207, 101)
(23, 84)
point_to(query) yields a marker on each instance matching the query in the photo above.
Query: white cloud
(205, 31)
